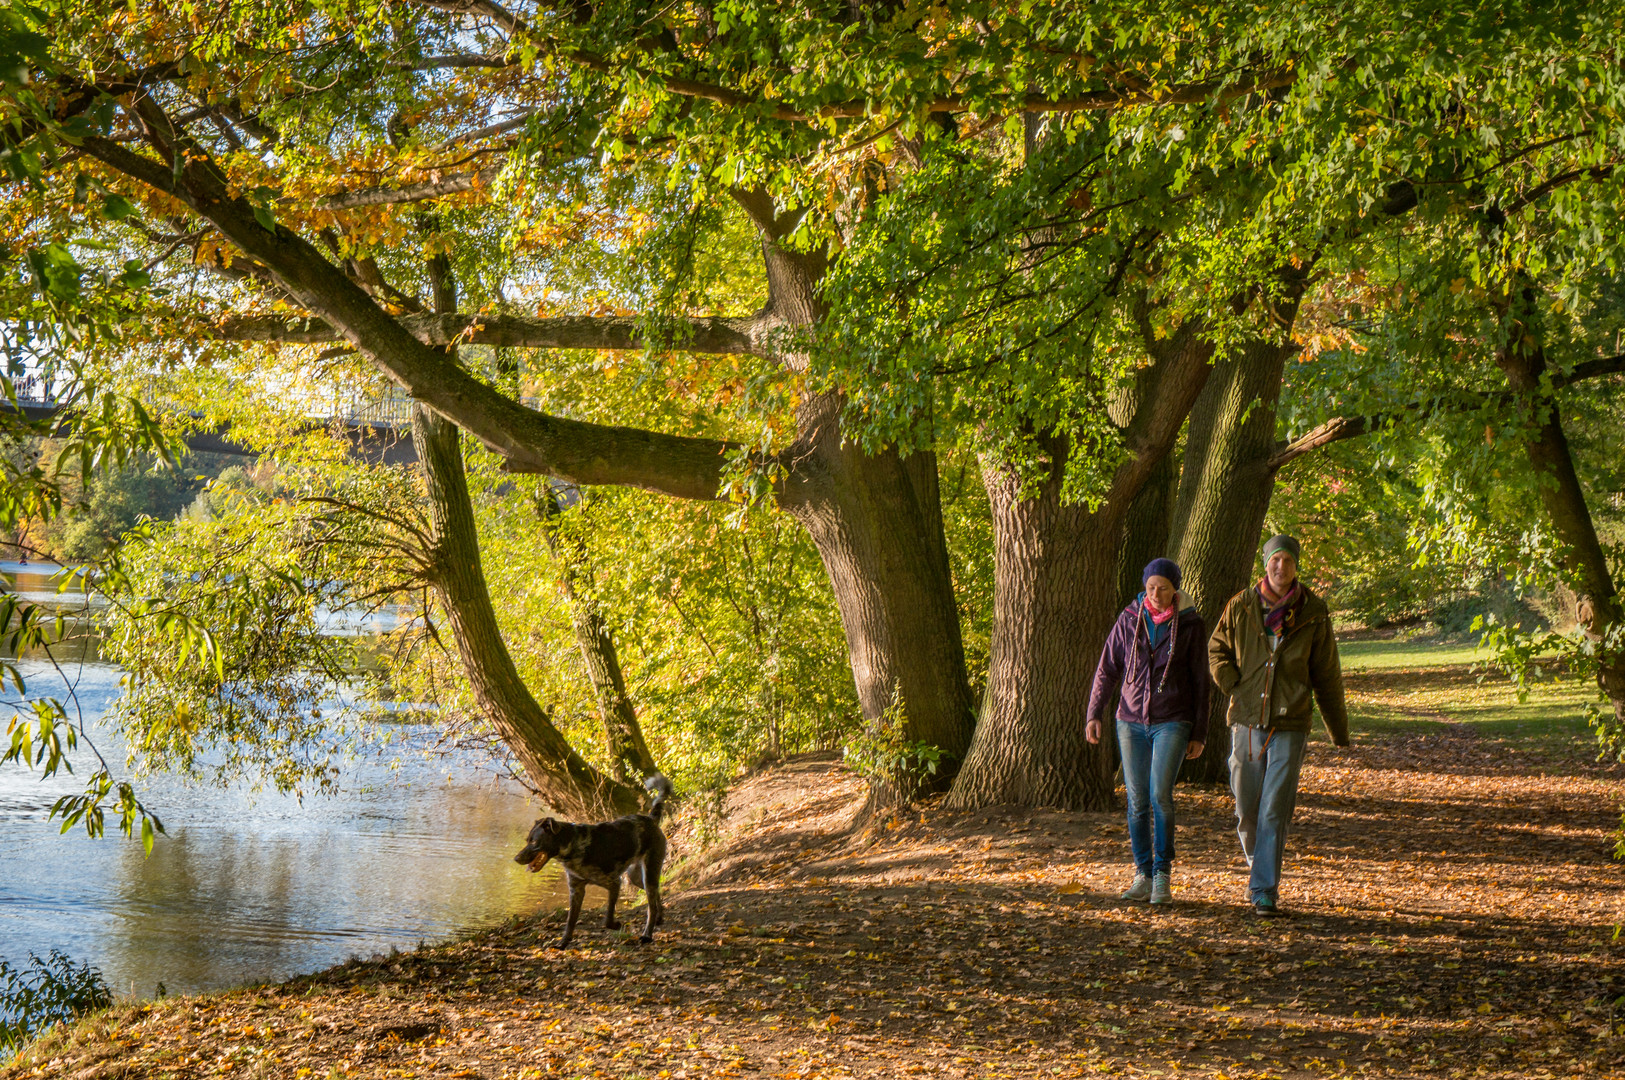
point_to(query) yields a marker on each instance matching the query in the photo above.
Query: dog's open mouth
(538, 862)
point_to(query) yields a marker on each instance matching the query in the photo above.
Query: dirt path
(1452, 915)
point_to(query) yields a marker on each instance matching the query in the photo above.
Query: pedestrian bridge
(378, 432)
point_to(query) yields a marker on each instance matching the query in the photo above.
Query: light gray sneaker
(1140, 890)
(1161, 890)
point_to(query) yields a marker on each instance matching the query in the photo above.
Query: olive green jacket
(1272, 688)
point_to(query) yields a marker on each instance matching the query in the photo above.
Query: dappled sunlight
(1441, 923)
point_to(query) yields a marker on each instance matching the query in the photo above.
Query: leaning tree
(1023, 234)
(224, 142)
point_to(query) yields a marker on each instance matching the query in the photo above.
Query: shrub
(47, 990)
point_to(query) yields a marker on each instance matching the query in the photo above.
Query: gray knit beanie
(1282, 542)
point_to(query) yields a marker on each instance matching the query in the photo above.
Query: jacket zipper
(1151, 665)
(1269, 669)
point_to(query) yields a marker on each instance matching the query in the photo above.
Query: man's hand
(1194, 749)
(1091, 731)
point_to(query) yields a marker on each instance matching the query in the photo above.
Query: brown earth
(1454, 912)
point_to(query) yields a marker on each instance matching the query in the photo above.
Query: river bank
(1454, 909)
(410, 846)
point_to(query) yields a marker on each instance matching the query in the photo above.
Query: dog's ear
(550, 825)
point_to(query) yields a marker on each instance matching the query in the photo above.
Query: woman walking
(1157, 656)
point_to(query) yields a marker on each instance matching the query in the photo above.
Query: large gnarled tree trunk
(876, 521)
(1056, 597)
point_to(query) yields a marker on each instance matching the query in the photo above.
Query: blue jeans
(1151, 757)
(1264, 780)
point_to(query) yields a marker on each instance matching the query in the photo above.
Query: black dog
(601, 853)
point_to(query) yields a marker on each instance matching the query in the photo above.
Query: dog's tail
(658, 786)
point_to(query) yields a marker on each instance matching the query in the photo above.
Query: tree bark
(876, 521)
(701, 335)
(877, 525)
(1523, 360)
(1147, 526)
(560, 775)
(1224, 495)
(566, 780)
(1055, 599)
(623, 735)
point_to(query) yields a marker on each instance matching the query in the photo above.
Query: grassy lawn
(1405, 655)
(1419, 688)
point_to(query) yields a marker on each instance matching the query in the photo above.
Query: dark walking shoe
(1265, 908)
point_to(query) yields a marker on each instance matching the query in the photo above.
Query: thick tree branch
(1339, 428)
(529, 441)
(407, 193)
(700, 335)
(1214, 90)
(452, 60)
(1540, 191)
(481, 8)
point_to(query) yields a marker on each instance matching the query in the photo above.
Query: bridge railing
(388, 412)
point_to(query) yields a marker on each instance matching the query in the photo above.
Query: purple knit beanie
(1163, 568)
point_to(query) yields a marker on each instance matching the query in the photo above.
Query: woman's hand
(1194, 749)
(1091, 731)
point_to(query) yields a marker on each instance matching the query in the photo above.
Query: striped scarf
(1280, 612)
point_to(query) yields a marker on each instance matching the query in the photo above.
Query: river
(247, 887)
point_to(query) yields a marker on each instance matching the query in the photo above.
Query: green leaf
(266, 219)
(117, 208)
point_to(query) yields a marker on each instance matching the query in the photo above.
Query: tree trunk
(1055, 599)
(1224, 494)
(623, 736)
(1523, 360)
(1055, 595)
(876, 521)
(1147, 527)
(566, 780)
(563, 777)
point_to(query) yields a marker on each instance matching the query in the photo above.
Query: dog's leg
(652, 863)
(610, 921)
(578, 890)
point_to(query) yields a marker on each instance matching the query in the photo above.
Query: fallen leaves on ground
(1453, 914)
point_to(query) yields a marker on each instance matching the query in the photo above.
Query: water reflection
(245, 887)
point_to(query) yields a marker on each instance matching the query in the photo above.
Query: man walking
(1272, 648)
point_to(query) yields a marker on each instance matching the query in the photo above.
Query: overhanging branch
(1339, 428)
(1213, 90)
(1134, 94)
(700, 335)
(407, 193)
(527, 440)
